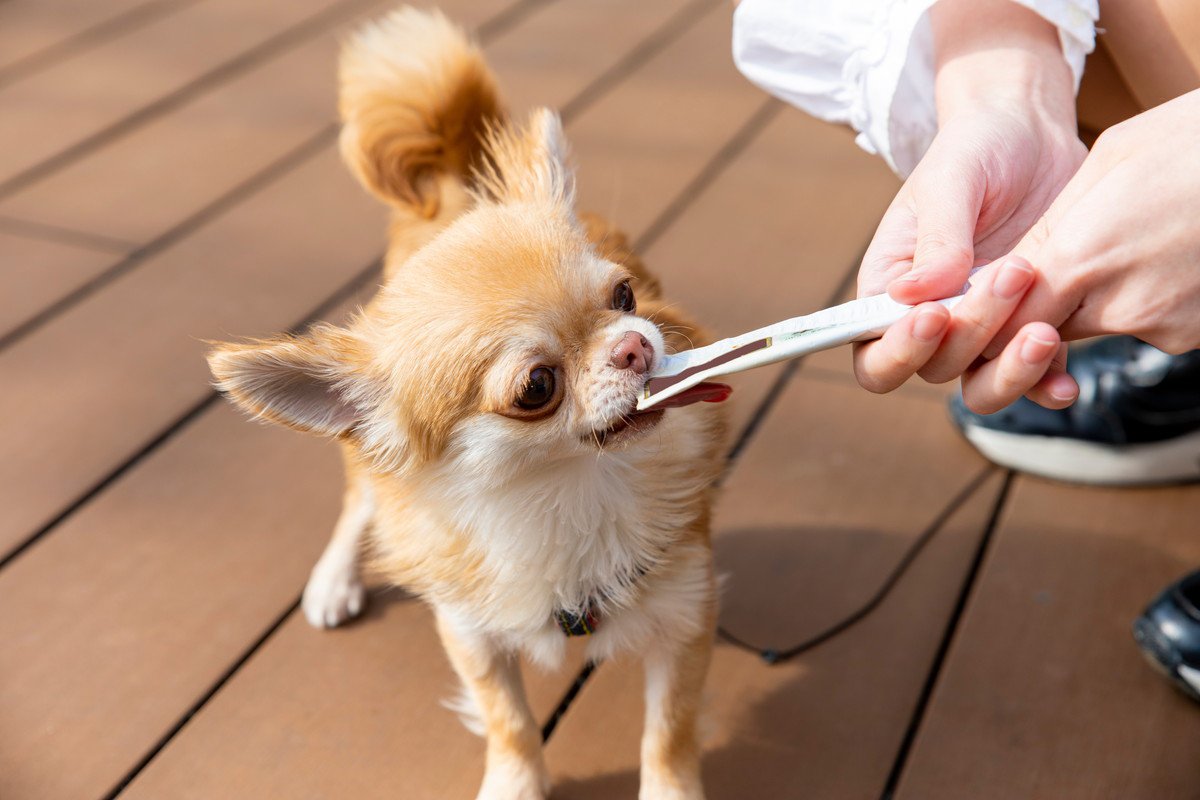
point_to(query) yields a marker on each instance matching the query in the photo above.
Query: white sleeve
(869, 63)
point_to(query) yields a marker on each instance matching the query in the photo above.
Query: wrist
(999, 55)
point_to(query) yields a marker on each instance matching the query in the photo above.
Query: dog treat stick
(856, 321)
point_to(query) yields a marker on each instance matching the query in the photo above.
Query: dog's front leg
(515, 768)
(675, 673)
(334, 592)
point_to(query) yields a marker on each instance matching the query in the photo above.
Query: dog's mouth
(633, 423)
(628, 426)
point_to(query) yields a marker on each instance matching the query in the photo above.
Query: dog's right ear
(311, 382)
(528, 163)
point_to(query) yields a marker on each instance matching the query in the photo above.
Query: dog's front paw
(665, 786)
(332, 596)
(514, 781)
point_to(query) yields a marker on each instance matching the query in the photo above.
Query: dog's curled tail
(416, 101)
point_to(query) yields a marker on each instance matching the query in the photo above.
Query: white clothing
(869, 63)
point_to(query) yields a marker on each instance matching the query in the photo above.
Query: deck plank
(816, 514)
(1044, 693)
(133, 355)
(35, 33)
(36, 272)
(185, 574)
(79, 98)
(545, 64)
(174, 166)
(151, 591)
(350, 713)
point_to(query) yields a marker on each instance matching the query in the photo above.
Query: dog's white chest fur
(599, 529)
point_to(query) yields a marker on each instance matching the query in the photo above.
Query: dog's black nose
(632, 352)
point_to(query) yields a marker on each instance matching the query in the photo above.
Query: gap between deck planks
(67, 541)
(28, 50)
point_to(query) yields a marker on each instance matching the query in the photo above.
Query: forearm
(989, 52)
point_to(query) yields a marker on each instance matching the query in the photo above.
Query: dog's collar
(585, 622)
(581, 624)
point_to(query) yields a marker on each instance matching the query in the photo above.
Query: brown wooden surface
(80, 97)
(154, 543)
(38, 271)
(112, 372)
(37, 33)
(1044, 694)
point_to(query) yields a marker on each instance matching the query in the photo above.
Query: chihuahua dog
(484, 401)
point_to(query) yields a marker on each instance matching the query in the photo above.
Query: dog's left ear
(303, 381)
(528, 163)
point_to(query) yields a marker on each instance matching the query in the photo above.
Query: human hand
(1006, 146)
(1119, 250)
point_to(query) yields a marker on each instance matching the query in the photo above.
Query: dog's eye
(539, 389)
(623, 299)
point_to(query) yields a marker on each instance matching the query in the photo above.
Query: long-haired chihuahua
(484, 401)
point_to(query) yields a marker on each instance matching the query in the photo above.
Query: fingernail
(1012, 280)
(1062, 396)
(1064, 391)
(911, 277)
(928, 325)
(1035, 350)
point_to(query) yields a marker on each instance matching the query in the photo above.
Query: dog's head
(507, 338)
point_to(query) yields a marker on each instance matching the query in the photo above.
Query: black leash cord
(773, 655)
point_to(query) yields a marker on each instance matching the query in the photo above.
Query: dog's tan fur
(495, 514)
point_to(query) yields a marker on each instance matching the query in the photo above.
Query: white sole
(1076, 461)
(1191, 675)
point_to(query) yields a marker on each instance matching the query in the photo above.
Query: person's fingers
(978, 317)
(1046, 302)
(947, 213)
(904, 348)
(1021, 368)
(1057, 389)
(1041, 303)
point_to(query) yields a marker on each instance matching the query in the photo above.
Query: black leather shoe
(1169, 634)
(1136, 422)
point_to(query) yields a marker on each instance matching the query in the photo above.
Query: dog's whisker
(680, 331)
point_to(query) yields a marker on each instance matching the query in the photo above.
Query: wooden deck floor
(168, 175)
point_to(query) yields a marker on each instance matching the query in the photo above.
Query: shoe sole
(1077, 461)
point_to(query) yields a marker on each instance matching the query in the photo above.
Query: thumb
(947, 212)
